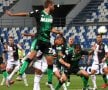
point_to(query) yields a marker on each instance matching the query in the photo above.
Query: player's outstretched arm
(17, 14)
(54, 30)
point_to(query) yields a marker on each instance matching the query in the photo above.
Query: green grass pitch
(76, 83)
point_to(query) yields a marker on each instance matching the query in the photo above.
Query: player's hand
(67, 65)
(9, 13)
(23, 34)
(94, 47)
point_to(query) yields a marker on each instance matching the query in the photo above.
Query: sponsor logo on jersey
(43, 19)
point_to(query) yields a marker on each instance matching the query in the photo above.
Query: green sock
(58, 86)
(50, 73)
(5, 74)
(85, 81)
(24, 67)
(104, 78)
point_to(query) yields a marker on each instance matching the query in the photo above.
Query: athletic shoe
(19, 78)
(50, 86)
(9, 82)
(95, 88)
(68, 84)
(104, 85)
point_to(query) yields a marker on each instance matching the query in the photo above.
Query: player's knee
(38, 71)
(32, 54)
(2, 66)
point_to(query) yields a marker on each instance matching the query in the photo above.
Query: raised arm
(28, 34)
(54, 30)
(17, 14)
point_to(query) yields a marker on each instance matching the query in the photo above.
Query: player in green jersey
(42, 40)
(69, 50)
(72, 66)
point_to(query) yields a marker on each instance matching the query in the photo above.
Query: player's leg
(50, 68)
(105, 75)
(61, 81)
(58, 75)
(40, 67)
(16, 68)
(25, 79)
(85, 77)
(94, 68)
(29, 58)
(68, 80)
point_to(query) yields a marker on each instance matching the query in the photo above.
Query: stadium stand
(85, 35)
(6, 4)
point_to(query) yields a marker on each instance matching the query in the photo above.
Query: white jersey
(10, 52)
(97, 50)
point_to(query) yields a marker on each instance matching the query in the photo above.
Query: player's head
(71, 40)
(11, 40)
(49, 4)
(99, 38)
(77, 48)
(59, 40)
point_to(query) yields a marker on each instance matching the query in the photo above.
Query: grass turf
(76, 83)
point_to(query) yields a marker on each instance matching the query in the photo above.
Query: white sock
(37, 82)
(93, 78)
(25, 79)
(13, 72)
(3, 81)
(64, 86)
(107, 76)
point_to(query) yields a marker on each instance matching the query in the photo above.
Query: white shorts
(41, 64)
(10, 64)
(95, 66)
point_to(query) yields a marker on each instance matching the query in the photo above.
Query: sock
(25, 79)
(37, 82)
(2, 82)
(104, 78)
(68, 78)
(85, 81)
(24, 66)
(50, 73)
(107, 76)
(58, 86)
(64, 86)
(93, 78)
(13, 72)
(5, 74)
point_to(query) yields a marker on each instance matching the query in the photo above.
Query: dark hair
(11, 37)
(60, 36)
(47, 2)
(99, 35)
(77, 46)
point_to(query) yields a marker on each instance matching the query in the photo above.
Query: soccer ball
(102, 30)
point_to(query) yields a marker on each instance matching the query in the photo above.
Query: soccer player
(41, 42)
(59, 47)
(12, 60)
(72, 66)
(69, 48)
(3, 65)
(99, 58)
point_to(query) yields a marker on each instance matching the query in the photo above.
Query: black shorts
(1, 60)
(72, 70)
(45, 47)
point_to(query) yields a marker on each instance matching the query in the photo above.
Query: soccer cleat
(104, 85)
(94, 88)
(9, 82)
(50, 86)
(19, 78)
(68, 84)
